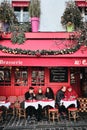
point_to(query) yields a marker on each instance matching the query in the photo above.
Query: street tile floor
(13, 123)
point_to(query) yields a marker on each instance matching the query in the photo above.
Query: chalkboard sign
(59, 74)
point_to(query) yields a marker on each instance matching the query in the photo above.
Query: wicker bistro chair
(2, 98)
(73, 113)
(20, 110)
(12, 100)
(53, 114)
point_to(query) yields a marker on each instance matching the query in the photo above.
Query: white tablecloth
(6, 104)
(68, 103)
(43, 103)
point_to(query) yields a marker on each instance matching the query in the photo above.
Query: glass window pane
(5, 76)
(18, 15)
(21, 76)
(37, 76)
(17, 9)
(25, 17)
(25, 9)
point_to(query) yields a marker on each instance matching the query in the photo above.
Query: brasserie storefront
(42, 66)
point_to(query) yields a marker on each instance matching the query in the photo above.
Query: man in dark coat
(59, 96)
(29, 95)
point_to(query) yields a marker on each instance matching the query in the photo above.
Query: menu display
(59, 74)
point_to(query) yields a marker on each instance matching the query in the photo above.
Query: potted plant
(7, 15)
(34, 12)
(71, 18)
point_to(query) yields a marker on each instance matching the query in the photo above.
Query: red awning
(81, 3)
(39, 44)
(20, 3)
(79, 58)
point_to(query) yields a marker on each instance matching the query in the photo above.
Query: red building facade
(44, 60)
(19, 71)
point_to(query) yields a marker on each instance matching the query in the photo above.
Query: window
(73, 73)
(5, 76)
(22, 14)
(37, 76)
(25, 14)
(21, 76)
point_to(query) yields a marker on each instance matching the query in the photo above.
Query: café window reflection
(38, 76)
(5, 76)
(21, 76)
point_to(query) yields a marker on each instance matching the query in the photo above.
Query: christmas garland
(38, 53)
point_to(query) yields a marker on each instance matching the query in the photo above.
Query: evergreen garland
(38, 53)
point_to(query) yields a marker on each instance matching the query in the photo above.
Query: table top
(67, 103)
(5, 103)
(43, 103)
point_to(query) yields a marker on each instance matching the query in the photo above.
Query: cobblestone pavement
(13, 123)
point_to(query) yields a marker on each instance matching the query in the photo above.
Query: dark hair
(50, 89)
(31, 88)
(50, 95)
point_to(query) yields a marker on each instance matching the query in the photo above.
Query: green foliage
(34, 8)
(38, 53)
(7, 13)
(71, 14)
(25, 27)
(18, 35)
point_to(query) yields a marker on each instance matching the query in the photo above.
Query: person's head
(69, 89)
(63, 88)
(31, 90)
(40, 90)
(48, 90)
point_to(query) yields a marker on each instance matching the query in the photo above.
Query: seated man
(30, 95)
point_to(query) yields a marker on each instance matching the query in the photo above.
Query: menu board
(59, 74)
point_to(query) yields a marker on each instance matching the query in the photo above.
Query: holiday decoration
(7, 13)
(38, 53)
(18, 35)
(71, 15)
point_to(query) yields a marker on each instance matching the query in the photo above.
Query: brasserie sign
(14, 62)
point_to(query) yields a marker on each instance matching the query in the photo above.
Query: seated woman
(40, 95)
(71, 94)
(49, 93)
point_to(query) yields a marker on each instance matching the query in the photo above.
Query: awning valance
(81, 3)
(44, 61)
(20, 3)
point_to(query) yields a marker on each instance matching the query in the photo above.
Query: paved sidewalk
(13, 123)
